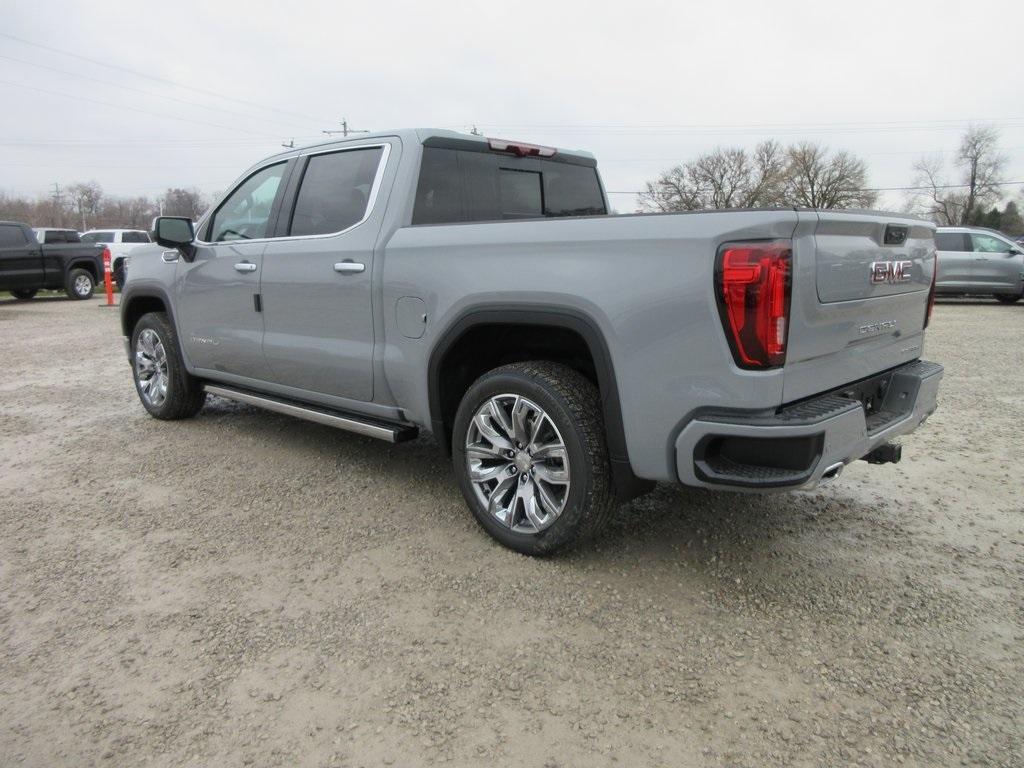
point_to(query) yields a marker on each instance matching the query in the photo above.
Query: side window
(335, 191)
(11, 237)
(134, 237)
(950, 241)
(989, 244)
(55, 236)
(245, 214)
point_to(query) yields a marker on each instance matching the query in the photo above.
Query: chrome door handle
(349, 267)
(245, 266)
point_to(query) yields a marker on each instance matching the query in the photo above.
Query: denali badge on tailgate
(890, 271)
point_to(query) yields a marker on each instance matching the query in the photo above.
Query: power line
(131, 109)
(158, 79)
(877, 189)
(662, 126)
(142, 91)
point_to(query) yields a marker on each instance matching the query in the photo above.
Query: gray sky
(642, 85)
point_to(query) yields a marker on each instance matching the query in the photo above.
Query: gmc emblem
(890, 271)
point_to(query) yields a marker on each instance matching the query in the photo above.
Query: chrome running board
(392, 433)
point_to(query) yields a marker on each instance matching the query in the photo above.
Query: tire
(79, 285)
(567, 408)
(24, 294)
(173, 393)
(1007, 298)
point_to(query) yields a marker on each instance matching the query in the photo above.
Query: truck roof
(414, 135)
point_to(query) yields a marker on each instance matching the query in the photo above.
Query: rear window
(98, 237)
(134, 237)
(461, 185)
(951, 241)
(11, 237)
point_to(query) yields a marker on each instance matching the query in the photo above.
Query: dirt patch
(247, 589)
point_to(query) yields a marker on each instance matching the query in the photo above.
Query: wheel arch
(444, 394)
(138, 303)
(88, 265)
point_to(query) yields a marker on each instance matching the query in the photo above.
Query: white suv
(121, 243)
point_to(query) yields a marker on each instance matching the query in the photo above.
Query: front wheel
(1007, 298)
(165, 388)
(80, 284)
(528, 448)
(24, 294)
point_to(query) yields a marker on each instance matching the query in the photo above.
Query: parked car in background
(975, 260)
(28, 265)
(478, 289)
(121, 243)
(52, 235)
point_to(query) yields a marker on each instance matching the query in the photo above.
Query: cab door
(21, 263)
(317, 277)
(218, 311)
(955, 259)
(997, 263)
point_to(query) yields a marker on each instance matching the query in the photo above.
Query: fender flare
(627, 485)
(133, 293)
(88, 264)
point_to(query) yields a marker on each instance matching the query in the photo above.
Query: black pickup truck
(28, 265)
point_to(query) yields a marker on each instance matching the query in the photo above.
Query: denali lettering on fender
(890, 271)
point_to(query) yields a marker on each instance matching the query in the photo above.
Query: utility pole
(58, 205)
(345, 130)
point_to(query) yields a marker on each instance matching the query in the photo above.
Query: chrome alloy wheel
(83, 285)
(518, 463)
(151, 367)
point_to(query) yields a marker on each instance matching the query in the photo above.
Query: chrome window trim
(371, 201)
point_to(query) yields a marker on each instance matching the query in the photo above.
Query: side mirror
(174, 232)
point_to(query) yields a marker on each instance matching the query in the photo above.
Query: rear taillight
(753, 285)
(931, 291)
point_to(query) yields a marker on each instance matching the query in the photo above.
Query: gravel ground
(247, 589)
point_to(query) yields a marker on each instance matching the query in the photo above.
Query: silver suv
(974, 260)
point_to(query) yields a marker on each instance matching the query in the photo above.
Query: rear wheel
(24, 293)
(80, 284)
(165, 388)
(530, 456)
(1007, 298)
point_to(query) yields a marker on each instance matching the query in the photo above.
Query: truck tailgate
(860, 294)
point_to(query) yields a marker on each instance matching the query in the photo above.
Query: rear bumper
(799, 444)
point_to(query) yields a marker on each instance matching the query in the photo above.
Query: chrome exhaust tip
(833, 471)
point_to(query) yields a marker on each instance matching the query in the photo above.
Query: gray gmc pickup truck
(478, 290)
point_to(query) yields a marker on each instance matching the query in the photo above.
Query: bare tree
(726, 178)
(183, 202)
(981, 167)
(945, 206)
(85, 197)
(815, 179)
(982, 163)
(804, 174)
